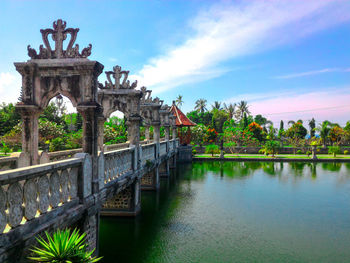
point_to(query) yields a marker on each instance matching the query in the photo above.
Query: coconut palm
(230, 109)
(216, 105)
(179, 101)
(291, 122)
(201, 105)
(324, 129)
(242, 108)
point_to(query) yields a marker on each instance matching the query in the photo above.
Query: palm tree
(230, 109)
(291, 122)
(201, 105)
(179, 101)
(216, 105)
(242, 108)
(324, 129)
(312, 125)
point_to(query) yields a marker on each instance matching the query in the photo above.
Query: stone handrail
(163, 148)
(171, 145)
(118, 163)
(7, 163)
(27, 193)
(148, 153)
(63, 155)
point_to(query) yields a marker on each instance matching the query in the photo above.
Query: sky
(289, 59)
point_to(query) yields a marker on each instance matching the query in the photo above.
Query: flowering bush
(211, 135)
(240, 137)
(256, 129)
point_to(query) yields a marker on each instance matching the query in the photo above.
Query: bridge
(43, 191)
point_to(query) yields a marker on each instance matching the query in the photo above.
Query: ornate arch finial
(59, 35)
(117, 75)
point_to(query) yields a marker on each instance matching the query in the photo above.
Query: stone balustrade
(28, 193)
(163, 148)
(118, 163)
(148, 153)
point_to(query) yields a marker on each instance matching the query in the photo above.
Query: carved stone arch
(55, 71)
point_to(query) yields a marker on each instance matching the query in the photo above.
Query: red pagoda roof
(181, 118)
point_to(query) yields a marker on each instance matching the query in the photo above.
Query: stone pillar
(90, 139)
(133, 124)
(147, 133)
(126, 203)
(164, 170)
(100, 123)
(30, 135)
(174, 132)
(156, 132)
(167, 132)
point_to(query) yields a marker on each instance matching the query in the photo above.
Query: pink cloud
(332, 105)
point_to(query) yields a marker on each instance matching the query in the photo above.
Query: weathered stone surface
(30, 199)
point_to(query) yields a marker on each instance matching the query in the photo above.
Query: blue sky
(288, 59)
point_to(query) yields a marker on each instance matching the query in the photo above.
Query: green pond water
(238, 212)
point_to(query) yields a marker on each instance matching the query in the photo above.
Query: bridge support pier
(126, 203)
(164, 170)
(172, 162)
(150, 180)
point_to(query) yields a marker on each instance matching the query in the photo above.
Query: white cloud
(310, 73)
(230, 30)
(10, 86)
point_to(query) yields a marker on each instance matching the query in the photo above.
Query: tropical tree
(230, 110)
(179, 101)
(201, 105)
(216, 105)
(312, 125)
(8, 118)
(297, 130)
(291, 122)
(242, 107)
(259, 119)
(324, 129)
(219, 118)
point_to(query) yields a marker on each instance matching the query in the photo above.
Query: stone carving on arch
(117, 94)
(55, 71)
(150, 107)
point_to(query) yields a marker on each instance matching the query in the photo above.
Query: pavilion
(182, 121)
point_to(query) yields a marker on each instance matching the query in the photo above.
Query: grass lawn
(286, 156)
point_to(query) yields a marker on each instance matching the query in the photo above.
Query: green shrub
(308, 153)
(63, 246)
(299, 152)
(57, 144)
(5, 149)
(212, 149)
(194, 151)
(262, 151)
(271, 147)
(334, 150)
(346, 152)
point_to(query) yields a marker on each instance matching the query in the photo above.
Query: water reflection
(238, 212)
(243, 169)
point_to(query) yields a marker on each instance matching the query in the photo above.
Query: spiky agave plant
(63, 247)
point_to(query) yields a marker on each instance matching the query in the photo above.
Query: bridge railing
(163, 148)
(117, 163)
(30, 192)
(148, 153)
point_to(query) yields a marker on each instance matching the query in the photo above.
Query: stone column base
(164, 171)
(125, 203)
(150, 181)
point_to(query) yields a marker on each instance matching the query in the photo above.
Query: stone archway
(55, 71)
(117, 94)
